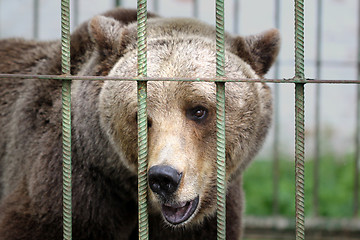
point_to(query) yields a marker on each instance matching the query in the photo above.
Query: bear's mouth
(180, 212)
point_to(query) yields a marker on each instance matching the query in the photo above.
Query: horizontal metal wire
(216, 79)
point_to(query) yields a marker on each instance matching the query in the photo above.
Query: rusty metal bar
(103, 78)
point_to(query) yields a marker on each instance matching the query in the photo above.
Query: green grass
(336, 186)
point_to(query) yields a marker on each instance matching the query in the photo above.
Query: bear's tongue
(178, 213)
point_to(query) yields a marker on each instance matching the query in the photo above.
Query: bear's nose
(164, 180)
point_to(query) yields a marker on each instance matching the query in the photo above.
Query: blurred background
(331, 53)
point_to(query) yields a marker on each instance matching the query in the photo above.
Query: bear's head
(182, 115)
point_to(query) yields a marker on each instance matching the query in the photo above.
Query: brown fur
(104, 135)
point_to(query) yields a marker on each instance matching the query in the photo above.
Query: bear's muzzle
(164, 181)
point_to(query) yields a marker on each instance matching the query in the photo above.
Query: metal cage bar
(357, 136)
(236, 13)
(156, 5)
(36, 8)
(317, 110)
(276, 124)
(142, 119)
(66, 119)
(76, 12)
(172, 79)
(195, 8)
(220, 121)
(299, 120)
(118, 3)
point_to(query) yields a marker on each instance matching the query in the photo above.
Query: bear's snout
(164, 180)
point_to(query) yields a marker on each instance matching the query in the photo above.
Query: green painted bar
(118, 3)
(142, 120)
(220, 122)
(299, 39)
(299, 121)
(66, 119)
(299, 161)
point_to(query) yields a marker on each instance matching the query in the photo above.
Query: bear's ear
(107, 33)
(260, 51)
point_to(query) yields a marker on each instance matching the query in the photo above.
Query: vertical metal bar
(76, 13)
(357, 139)
(276, 124)
(118, 3)
(66, 119)
(220, 121)
(299, 161)
(299, 39)
(357, 151)
(195, 8)
(236, 16)
(142, 119)
(36, 19)
(299, 120)
(317, 109)
(156, 5)
(0, 19)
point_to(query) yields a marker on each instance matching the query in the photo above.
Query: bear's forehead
(186, 57)
(176, 27)
(181, 47)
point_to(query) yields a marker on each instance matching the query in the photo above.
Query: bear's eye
(197, 114)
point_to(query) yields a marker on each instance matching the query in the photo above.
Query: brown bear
(181, 128)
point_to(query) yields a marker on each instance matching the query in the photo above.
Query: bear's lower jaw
(179, 213)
